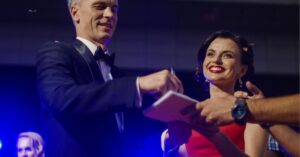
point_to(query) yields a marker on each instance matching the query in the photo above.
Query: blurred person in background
(30, 144)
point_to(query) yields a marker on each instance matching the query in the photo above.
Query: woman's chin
(220, 82)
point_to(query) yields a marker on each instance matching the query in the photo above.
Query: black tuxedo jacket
(78, 107)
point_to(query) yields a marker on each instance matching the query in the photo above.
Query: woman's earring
(240, 83)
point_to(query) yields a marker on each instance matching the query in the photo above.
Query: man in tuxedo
(83, 94)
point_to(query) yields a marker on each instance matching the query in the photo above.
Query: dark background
(274, 27)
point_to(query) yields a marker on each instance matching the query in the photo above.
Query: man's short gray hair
(70, 2)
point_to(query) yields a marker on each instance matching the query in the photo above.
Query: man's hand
(159, 83)
(218, 110)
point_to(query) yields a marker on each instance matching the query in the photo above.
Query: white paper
(169, 107)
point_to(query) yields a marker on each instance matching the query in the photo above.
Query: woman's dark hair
(244, 46)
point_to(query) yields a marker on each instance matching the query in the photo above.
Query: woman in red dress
(226, 61)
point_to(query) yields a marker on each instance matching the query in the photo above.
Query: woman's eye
(227, 55)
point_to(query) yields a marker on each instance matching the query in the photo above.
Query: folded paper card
(170, 107)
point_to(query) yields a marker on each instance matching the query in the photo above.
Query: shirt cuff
(138, 99)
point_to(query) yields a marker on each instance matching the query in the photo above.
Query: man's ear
(244, 69)
(74, 13)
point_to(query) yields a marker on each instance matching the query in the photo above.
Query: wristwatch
(240, 111)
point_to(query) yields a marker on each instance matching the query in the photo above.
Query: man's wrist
(250, 118)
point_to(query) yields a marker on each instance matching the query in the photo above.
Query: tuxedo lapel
(89, 59)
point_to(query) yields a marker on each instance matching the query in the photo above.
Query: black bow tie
(109, 59)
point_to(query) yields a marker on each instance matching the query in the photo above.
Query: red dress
(199, 146)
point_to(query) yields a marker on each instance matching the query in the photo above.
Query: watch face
(239, 112)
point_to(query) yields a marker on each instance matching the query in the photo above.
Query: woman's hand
(256, 92)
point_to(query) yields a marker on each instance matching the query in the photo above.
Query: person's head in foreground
(30, 144)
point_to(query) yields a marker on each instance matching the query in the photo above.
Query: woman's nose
(217, 60)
